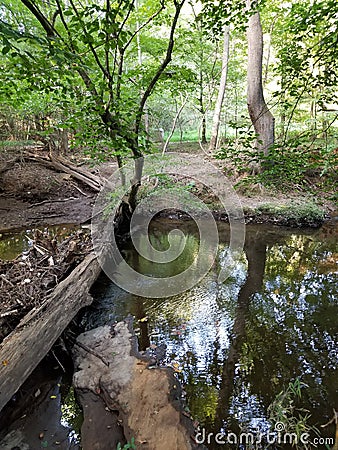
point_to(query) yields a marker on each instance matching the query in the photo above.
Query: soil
(33, 195)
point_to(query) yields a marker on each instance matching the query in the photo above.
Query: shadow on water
(44, 412)
(235, 346)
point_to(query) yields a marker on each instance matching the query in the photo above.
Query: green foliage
(127, 446)
(287, 166)
(297, 213)
(305, 43)
(217, 14)
(88, 68)
(85, 57)
(161, 184)
(241, 151)
(283, 410)
(294, 164)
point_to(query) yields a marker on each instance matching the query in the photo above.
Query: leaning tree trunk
(260, 115)
(221, 92)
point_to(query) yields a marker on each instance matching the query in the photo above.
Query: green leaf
(5, 50)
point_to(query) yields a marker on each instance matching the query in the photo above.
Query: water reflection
(13, 243)
(43, 413)
(237, 345)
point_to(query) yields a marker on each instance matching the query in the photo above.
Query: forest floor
(32, 195)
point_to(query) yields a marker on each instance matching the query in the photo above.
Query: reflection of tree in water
(242, 342)
(272, 337)
(255, 250)
(287, 331)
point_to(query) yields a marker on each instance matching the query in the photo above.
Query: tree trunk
(64, 146)
(204, 130)
(178, 113)
(261, 117)
(221, 92)
(202, 108)
(255, 251)
(32, 339)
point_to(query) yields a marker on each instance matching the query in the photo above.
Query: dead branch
(53, 201)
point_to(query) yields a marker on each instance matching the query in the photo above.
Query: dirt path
(33, 195)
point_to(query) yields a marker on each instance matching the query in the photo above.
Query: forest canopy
(109, 75)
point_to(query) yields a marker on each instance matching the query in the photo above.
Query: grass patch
(308, 213)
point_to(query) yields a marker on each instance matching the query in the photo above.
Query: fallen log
(23, 349)
(76, 172)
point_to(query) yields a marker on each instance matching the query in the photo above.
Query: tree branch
(144, 25)
(92, 49)
(47, 26)
(161, 69)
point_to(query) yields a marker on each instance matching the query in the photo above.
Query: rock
(14, 440)
(146, 400)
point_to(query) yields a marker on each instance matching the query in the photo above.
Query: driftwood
(61, 164)
(58, 163)
(25, 347)
(26, 281)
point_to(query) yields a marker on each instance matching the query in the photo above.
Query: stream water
(237, 345)
(269, 328)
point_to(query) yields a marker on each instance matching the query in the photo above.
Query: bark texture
(260, 115)
(26, 346)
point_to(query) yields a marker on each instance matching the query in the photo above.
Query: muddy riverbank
(33, 194)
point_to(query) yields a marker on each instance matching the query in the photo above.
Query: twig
(7, 281)
(8, 313)
(54, 201)
(58, 361)
(333, 420)
(91, 351)
(77, 188)
(39, 250)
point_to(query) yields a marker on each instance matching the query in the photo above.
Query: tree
(92, 44)
(194, 73)
(260, 115)
(306, 48)
(221, 91)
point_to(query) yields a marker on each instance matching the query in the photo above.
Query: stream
(271, 327)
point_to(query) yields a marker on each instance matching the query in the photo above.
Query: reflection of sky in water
(249, 410)
(71, 416)
(289, 328)
(201, 328)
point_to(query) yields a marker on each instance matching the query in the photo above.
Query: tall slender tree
(260, 115)
(221, 91)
